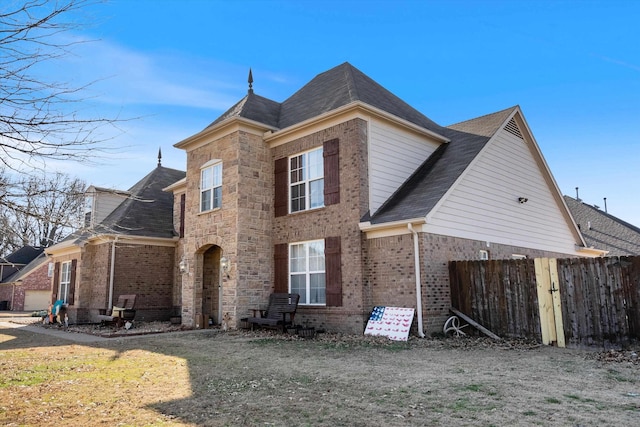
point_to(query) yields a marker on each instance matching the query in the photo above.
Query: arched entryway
(212, 284)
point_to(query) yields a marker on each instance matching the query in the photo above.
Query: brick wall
(390, 271)
(146, 271)
(37, 280)
(335, 220)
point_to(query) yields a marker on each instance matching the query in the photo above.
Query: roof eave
(273, 135)
(591, 251)
(391, 227)
(176, 186)
(224, 127)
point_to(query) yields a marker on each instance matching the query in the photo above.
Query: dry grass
(213, 378)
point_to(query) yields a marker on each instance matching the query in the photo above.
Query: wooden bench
(123, 311)
(280, 312)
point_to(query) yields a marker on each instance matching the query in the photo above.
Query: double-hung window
(211, 186)
(65, 281)
(307, 272)
(306, 181)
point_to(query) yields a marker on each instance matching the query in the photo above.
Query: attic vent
(513, 129)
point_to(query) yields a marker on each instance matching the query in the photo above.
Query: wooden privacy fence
(572, 301)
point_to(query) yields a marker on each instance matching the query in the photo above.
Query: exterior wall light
(224, 265)
(183, 266)
(523, 199)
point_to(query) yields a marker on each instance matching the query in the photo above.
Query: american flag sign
(392, 322)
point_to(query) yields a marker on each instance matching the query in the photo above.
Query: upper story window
(211, 186)
(306, 181)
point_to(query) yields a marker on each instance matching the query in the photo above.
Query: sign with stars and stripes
(392, 322)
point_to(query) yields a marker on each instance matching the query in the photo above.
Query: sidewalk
(6, 318)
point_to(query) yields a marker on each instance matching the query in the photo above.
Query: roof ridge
(484, 116)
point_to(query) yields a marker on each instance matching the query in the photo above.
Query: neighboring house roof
(148, 212)
(422, 191)
(603, 230)
(17, 260)
(335, 88)
(23, 256)
(27, 269)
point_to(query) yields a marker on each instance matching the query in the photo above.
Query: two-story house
(350, 197)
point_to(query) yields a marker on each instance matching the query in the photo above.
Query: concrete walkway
(53, 331)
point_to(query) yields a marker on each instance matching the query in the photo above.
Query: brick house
(24, 283)
(127, 246)
(350, 197)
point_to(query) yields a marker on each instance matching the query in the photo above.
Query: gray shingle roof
(606, 232)
(18, 260)
(429, 183)
(253, 107)
(149, 212)
(335, 88)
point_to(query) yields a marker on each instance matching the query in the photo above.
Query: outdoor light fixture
(183, 266)
(523, 200)
(224, 265)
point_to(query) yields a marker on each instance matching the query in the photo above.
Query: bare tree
(41, 210)
(41, 120)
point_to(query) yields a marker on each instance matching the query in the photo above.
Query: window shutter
(183, 202)
(281, 267)
(333, 270)
(331, 153)
(281, 191)
(56, 282)
(72, 284)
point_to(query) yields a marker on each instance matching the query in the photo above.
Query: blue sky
(572, 66)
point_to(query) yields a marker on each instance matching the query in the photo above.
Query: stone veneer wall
(254, 260)
(335, 220)
(391, 270)
(218, 227)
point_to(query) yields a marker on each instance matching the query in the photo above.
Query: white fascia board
(395, 228)
(356, 109)
(94, 189)
(63, 248)
(134, 240)
(592, 252)
(223, 128)
(177, 187)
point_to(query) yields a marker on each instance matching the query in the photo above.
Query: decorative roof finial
(159, 157)
(250, 81)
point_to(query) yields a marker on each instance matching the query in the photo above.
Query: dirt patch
(236, 378)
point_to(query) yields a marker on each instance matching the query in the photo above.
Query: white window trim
(308, 273)
(306, 181)
(64, 281)
(210, 164)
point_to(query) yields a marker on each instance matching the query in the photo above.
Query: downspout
(416, 253)
(112, 272)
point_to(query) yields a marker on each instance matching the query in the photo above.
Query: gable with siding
(484, 202)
